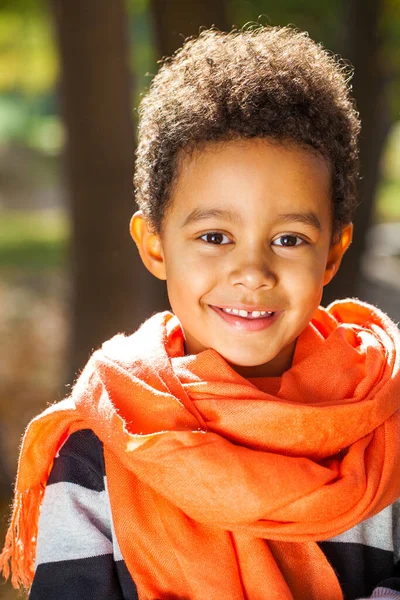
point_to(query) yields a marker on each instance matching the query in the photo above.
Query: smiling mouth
(247, 314)
(247, 320)
(243, 314)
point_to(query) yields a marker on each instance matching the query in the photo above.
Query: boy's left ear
(337, 251)
(149, 245)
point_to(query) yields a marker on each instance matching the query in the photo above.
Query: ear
(148, 244)
(337, 251)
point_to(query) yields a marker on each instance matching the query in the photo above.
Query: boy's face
(249, 229)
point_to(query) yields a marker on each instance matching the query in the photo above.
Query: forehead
(241, 175)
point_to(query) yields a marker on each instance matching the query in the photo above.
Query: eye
(288, 241)
(215, 237)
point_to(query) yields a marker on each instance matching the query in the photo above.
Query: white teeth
(246, 313)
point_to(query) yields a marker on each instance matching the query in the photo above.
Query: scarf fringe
(18, 555)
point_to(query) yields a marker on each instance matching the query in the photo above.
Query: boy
(245, 447)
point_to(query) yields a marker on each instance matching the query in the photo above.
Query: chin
(244, 362)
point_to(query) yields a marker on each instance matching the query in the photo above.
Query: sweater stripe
(96, 578)
(80, 517)
(377, 531)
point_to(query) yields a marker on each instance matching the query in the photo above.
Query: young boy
(246, 446)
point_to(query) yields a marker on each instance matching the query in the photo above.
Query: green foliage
(143, 57)
(28, 60)
(28, 73)
(388, 196)
(388, 201)
(321, 19)
(29, 69)
(390, 28)
(32, 240)
(24, 7)
(30, 120)
(137, 7)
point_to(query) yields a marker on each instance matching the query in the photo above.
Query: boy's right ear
(149, 245)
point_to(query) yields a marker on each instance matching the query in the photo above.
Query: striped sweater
(78, 556)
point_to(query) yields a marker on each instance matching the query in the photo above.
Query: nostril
(252, 267)
(254, 279)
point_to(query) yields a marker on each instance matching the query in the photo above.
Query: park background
(71, 77)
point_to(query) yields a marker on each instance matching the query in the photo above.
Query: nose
(253, 275)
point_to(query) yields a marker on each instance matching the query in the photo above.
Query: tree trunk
(364, 50)
(111, 291)
(174, 20)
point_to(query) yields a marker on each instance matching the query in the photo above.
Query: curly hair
(265, 82)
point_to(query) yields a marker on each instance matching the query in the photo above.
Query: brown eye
(288, 241)
(215, 237)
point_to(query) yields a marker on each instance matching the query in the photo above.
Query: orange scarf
(220, 486)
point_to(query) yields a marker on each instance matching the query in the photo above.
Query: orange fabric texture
(220, 486)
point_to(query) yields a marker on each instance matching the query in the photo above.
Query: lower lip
(244, 324)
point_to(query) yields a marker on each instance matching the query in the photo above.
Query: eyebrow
(308, 218)
(202, 214)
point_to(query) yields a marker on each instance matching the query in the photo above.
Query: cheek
(306, 280)
(194, 268)
(188, 280)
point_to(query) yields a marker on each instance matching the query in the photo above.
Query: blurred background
(71, 77)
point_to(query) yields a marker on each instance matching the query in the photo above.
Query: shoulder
(77, 554)
(80, 460)
(75, 520)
